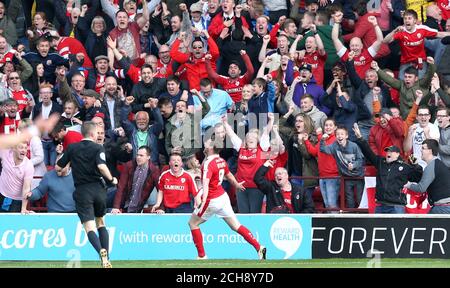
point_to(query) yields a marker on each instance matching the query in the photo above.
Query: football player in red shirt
(214, 201)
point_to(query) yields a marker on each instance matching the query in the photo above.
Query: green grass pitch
(231, 263)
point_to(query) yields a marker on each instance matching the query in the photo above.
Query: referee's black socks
(95, 242)
(104, 237)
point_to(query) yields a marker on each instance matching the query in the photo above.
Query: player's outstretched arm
(239, 185)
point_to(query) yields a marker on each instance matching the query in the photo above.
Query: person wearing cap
(386, 132)
(306, 84)
(392, 174)
(89, 110)
(97, 77)
(197, 20)
(435, 179)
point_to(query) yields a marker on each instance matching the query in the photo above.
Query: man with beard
(112, 101)
(164, 67)
(234, 83)
(176, 187)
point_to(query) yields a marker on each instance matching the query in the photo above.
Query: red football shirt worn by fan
(317, 63)
(214, 168)
(69, 45)
(176, 189)
(362, 61)
(412, 44)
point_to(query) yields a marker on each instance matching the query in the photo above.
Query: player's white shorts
(220, 206)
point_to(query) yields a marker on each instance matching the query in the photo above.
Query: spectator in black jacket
(282, 196)
(392, 174)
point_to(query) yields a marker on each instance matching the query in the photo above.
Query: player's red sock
(248, 236)
(198, 241)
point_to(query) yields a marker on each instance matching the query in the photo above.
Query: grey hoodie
(317, 116)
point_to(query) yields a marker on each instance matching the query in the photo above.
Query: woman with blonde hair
(251, 156)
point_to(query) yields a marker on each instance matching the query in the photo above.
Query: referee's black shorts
(90, 201)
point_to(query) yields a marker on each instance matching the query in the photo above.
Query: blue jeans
(388, 209)
(350, 187)
(440, 210)
(330, 192)
(250, 200)
(183, 208)
(49, 152)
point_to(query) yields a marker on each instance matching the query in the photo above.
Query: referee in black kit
(88, 164)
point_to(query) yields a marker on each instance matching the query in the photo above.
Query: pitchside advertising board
(151, 237)
(386, 237)
(163, 237)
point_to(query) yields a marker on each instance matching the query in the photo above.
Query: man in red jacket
(137, 180)
(195, 61)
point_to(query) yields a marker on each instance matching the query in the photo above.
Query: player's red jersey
(214, 168)
(176, 189)
(412, 44)
(362, 61)
(317, 63)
